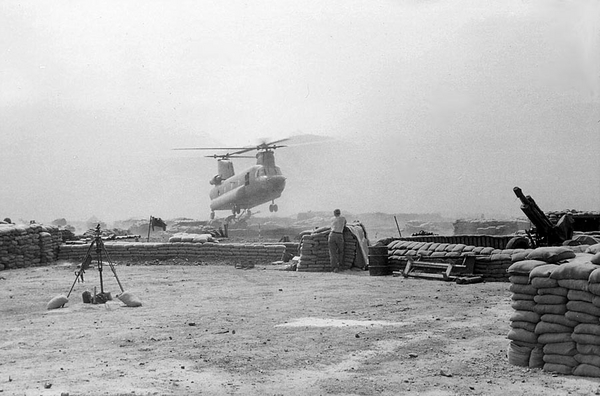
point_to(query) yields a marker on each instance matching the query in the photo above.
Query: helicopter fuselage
(254, 186)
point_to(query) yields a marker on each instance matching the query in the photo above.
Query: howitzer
(544, 232)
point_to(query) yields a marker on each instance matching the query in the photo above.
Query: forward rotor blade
(226, 156)
(210, 148)
(238, 150)
(244, 150)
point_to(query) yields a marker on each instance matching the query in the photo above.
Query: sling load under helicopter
(254, 186)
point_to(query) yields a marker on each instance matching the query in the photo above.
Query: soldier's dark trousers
(336, 249)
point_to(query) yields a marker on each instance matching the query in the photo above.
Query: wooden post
(398, 227)
(149, 225)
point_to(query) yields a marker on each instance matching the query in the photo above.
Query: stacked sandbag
(494, 266)
(568, 303)
(553, 330)
(490, 263)
(494, 241)
(564, 295)
(314, 252)
(50, 239)
(47, 248)
(28, 245)
(594, 250)
(350, 249)
(551, 254)
(524, 349)
(192, 238)
(587, 333)
(257, 252)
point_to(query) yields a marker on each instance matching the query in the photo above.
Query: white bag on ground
(130, 300)
(57, 302)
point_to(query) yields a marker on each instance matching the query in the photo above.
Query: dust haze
(415, 107)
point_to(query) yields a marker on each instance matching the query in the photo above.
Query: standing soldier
(336, 240)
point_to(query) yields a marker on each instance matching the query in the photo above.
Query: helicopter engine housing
(224, 170)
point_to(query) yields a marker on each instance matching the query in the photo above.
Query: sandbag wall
(490, 263)
(556, 323)
(28, 245)
(494, 241)
(314, 252)
(147, 251)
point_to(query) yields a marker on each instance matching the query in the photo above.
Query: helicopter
(254, 186)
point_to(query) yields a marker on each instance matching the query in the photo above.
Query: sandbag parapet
(201, 251)
(494, 241)
(556, 323)
(490, 263)
(28, 245)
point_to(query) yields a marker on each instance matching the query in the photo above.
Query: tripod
(100, 249)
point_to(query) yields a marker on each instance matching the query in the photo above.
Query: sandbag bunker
(556, 300)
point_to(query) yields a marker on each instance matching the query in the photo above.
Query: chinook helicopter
(252, 187)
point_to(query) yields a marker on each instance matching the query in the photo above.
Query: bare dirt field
(217, 330)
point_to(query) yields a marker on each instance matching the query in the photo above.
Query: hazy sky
(438, 106)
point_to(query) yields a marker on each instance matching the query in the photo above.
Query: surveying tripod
(100, 249)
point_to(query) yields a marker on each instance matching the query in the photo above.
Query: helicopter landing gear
(273, 207)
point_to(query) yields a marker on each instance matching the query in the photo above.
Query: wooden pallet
(445, 269)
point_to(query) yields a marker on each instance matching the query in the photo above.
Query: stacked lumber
(28, 245)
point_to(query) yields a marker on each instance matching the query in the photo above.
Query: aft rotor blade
(271, 145)
(276, 141)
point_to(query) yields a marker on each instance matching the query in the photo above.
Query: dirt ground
(217, 330)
